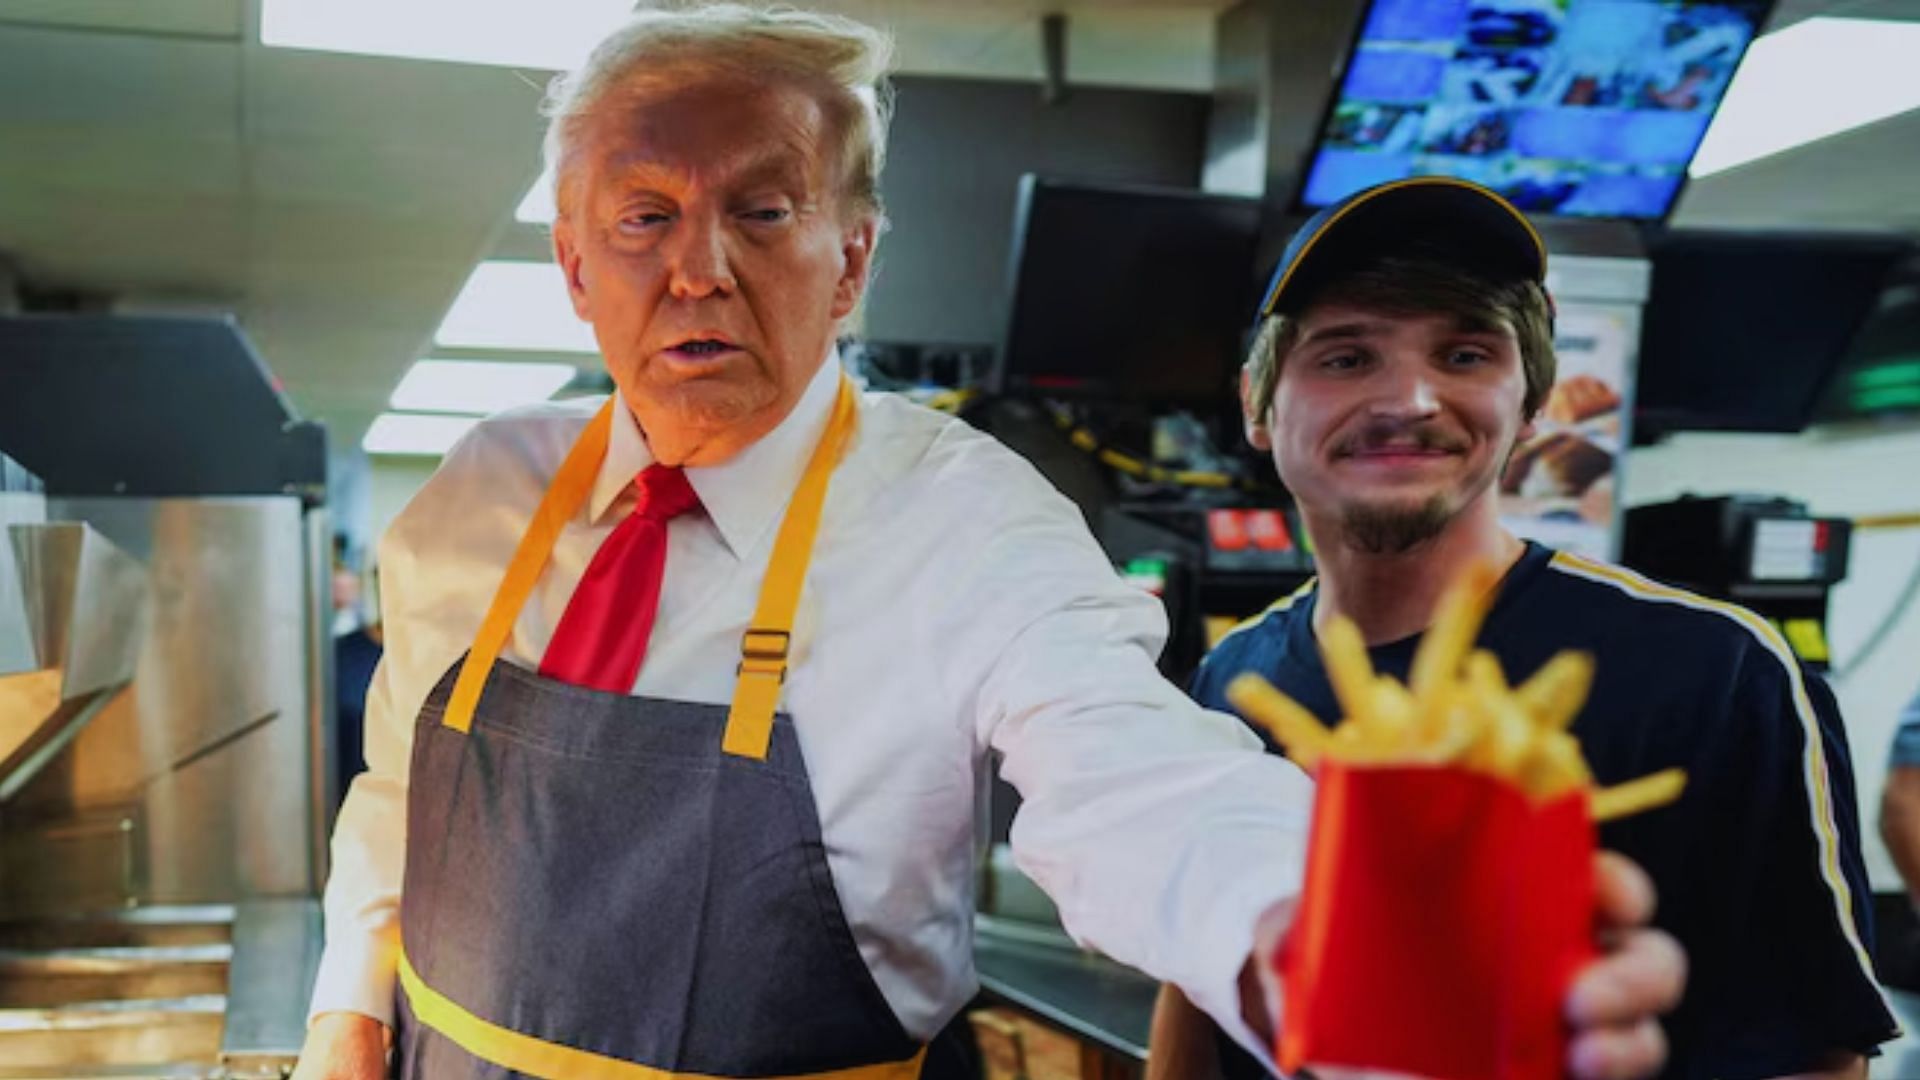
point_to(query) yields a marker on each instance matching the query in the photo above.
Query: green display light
(1893, 373)
(1886, 397)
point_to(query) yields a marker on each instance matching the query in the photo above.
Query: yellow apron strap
(763, 648)
(564, 496)
(525, 1054)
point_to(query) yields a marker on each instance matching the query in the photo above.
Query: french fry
(1444, 717)
(1511, 740)
(1638, 796)
(1393, 709)
(1462, 608)
(1555, 693)
(1298, 731)
(1484, 675)
(1348, 669)
(1555, 767)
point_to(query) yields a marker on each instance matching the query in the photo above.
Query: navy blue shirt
(1757, 865)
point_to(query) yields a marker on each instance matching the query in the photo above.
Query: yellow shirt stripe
(1281, 604)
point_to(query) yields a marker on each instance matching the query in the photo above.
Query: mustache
(1379, 436)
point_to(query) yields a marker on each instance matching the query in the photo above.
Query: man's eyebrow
(767, 168)
(781, 170)
(640, 172)
(1347, 331)
(1479, 324)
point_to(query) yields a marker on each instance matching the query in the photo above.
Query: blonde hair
(844, 63)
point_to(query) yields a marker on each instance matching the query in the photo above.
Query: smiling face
(1387, 427)
(703, 236)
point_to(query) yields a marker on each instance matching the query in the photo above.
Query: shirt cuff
(357, 975)
(1216, 988)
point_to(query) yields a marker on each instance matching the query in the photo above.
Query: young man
(1405, 346)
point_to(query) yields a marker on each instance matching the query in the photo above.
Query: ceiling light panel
(518, 306)
(553, 34)
(415, 434)
(1813, 79)
(477, 386)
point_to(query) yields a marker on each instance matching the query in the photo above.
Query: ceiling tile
(151, 85)
(207, 18)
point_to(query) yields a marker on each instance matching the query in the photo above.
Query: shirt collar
(745, 494)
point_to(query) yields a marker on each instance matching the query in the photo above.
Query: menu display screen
(1589, 108)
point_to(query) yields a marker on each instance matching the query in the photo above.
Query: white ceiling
(1860, 179)
(155, 152)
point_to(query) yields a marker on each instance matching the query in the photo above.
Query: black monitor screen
(1742, 331)
(1128, 293)
(1589, 108)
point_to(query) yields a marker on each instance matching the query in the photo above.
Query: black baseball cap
(1469, 222)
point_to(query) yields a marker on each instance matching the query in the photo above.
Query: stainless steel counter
(276, 953)
(207, 991)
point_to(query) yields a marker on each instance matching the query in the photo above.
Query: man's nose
(1404, 392)
(697, 259)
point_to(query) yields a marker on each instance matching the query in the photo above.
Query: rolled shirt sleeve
(1160, 830)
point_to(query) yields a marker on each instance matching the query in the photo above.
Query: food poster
(1559, 487)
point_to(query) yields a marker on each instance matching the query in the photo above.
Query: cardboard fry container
(1443, 917)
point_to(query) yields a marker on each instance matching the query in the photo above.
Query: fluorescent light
(412, 433)
(477, 386)
(553, 34)
(515, 305)
(1815, 78)
(536, 206)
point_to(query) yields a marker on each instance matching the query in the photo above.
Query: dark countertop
(1040, 970)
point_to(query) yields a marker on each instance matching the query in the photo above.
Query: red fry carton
(1443, 917)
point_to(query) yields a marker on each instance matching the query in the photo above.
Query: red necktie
(603, 636)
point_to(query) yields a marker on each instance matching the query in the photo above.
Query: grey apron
(601, 885)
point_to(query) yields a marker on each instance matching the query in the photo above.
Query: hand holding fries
(1448, 897)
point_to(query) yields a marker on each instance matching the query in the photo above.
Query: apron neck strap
(763, 648)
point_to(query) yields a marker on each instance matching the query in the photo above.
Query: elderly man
(675, 748)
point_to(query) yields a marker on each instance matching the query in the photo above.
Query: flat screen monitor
(1127, 293)
(1742, 331)
(1587, 108)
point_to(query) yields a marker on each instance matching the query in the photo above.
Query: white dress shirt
(956, 606)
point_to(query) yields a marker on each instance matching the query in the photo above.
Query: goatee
(1396, 530)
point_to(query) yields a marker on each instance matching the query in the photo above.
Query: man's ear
(1258, 435)
(856, 259)
(566, 253)
(1528, 429)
